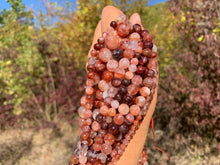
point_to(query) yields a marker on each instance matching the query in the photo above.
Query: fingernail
(137, 17)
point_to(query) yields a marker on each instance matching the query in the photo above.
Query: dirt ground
(55, 147)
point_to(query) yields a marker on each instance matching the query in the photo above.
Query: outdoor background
(43, 52)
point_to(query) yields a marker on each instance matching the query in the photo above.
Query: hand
(133, 151)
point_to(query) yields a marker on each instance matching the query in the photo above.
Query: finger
(136, 19)
(97, 34)
(109, 13)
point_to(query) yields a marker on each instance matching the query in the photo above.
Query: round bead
(105, 55)
(113, 24)
(132, 68)
(104, 110)
(101, 40)
(137, 28)
(132, 89)
(97, 46)
(145, 91)
(148, 44)
(123, 128)
(107, 75)
(123, 29)
(135, 110)
(124, 63)
(89, 90)
(128, 53)
(109, 139)
(103, 86)
(119, 73)
(129, 75)
(115, 104)
(117, 54)
(140, 101)
(116, 82)
(106, 149)
(123, 109)
(112, 65)
(119, 119)
(135, 36)
(137, 80)
(112, 42)
(96, 126)
(126, 82)
(111, 111)
(130, 118)
(128, 99)
(134, 61)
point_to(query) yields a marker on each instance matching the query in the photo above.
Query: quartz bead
(132, 68)
(117, 54)
(99, 66)
(89, 90)
(129, 75)
(137, 28)
(154, 49)
(109, 139)
(132, 89)
(119, 119)
(128, 99)
(104, 110)
(112, 42)
(101, 40)
(112, 91)
(116, 82)
(134, 61)
(145, 91)
(97, 147)
(81, 111)
(118, 97)
(107, 76)
(124, 63)
(113, 128)
(130, 118)
(148, 82)
(147, 52)
(98, 140)
(123, 29)
(123, 109)
(111, 111)
(115, 104)
(97, 46)
(96, 126)
(128, 53)
(105, 55)
(106, 148)
(135, 36)
(137, 80)
(147, 37)
(140, 101)
(103, 86)
(135, 110)
(113, 24)
(99, 94)
(123, 128)
(140, 69)
(133, 44)
(112, 65)
(148, 44)
(126, 82)
(119, 73)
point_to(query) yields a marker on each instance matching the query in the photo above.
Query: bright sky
(36, 4)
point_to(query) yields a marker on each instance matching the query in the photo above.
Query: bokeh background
(43, 52)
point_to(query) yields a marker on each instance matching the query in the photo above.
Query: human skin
(134, 149)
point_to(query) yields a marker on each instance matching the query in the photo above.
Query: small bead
(148, 44)
(116, 82)
(117, 54)
(132, 68)
(112, 65)
(132, 89)
(145, 91)
(135, 110)
(123, 109)
(111, 111)
(113, 24)
(103, 86)
(140, 101)
(104, 110)
(134, 61)
(137, 28)
(144, 32)
(124, 63)
(107, 76)
(119, 73)
(115, 104)
(147, 52)
(113, 128)
(123, 29)
(109, 138)
(129, 75)
(112, 42)
(123, 128)
(118, 97)
(97, 46)
(140, 69)
(106, 149)
(96, 126)
(137, 80)
(128, 53)
(126, 82)
(105, 55)
(128, 99)
(134, 36)
(147, 37)
(130, 118)
(101, 40)
(119, 119)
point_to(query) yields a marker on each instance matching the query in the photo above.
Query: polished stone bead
(105, 55)
(119, 119)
